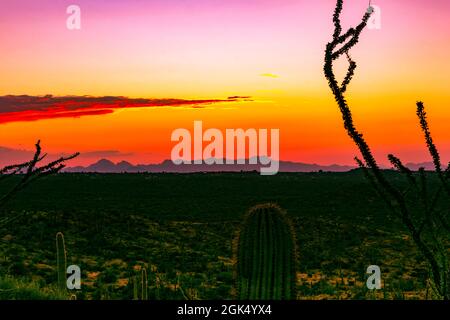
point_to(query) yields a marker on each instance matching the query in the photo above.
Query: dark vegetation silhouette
(30, 171)
(417, 206)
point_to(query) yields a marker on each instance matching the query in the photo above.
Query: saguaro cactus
(266, 254)
(144, 284)
(140, 285)
(61, 261)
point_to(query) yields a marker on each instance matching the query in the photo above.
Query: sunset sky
(158, 65)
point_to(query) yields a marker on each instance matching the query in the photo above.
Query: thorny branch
(431, 246)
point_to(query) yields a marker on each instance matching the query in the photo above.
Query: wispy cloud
(269, 75)
(32, 108)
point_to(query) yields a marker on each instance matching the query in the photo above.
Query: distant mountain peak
(104, 162)
(123, 162)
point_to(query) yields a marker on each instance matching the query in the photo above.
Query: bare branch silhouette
(430, 231)
(30, 172)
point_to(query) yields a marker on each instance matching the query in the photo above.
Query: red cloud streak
(32, 108)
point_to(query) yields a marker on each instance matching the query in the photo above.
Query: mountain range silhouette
(107, 166)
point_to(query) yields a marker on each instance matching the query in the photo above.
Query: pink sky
(214, 49)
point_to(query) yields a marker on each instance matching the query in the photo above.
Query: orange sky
(269, 50)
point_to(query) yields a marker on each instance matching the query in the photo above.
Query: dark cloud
(10, 155)
(238, 98)
(104, 154)
(31, 108)
(14, 155)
